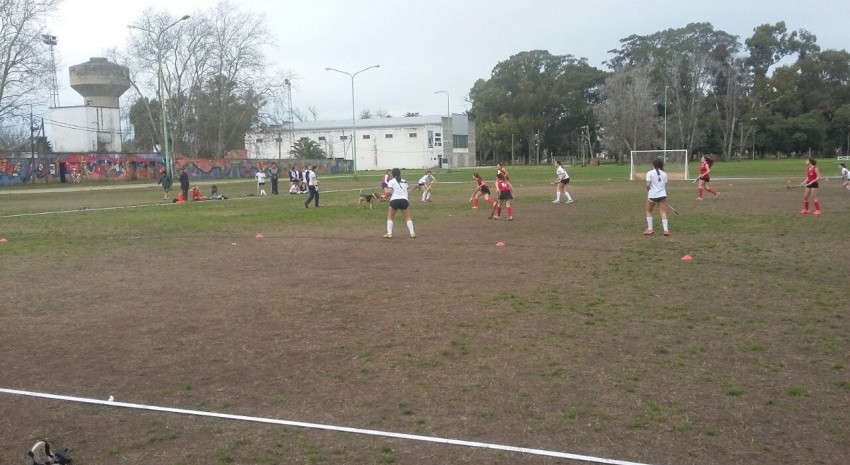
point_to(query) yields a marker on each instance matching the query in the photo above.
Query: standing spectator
(273, 174)
(312, 185)
(184, 183)
(481, 190)
(705, 177)
(261, 182)
(397, 189)
(505, 196)
(845, 176)
(656, 188)
(563, 182)
(811, 186)
(166, 182)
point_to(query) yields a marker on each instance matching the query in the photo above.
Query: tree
(685, 60)
(628, 112)
(307, 149)
(223, 114)
(25, 67)
(221, 46)
(532, 93)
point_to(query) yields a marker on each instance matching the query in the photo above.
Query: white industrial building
(416, 142)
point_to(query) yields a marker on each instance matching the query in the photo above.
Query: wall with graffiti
(89, 167)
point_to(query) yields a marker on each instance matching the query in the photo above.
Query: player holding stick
(481, 190)
(563, 182)
(705, 177)
(505, 195)
(811, 186)
(845, 176)
(656, 188)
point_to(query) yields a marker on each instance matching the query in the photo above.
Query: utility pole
(32, 147)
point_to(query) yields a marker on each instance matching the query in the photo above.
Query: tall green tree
(532, 93)
(223, 114)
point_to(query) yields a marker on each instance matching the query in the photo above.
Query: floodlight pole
(754, 128)
(353, 117)
(665, 121)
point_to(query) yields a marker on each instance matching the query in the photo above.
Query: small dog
(42, 455)
(370, 199)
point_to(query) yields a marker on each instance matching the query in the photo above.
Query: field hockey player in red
(811, 186)
(705, 177)
(505, 196)
(481, 190)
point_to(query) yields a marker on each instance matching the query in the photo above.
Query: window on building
(430, 139)
(305, 139)
(367, 136)
(388, 136)
(461, 141)
(321, 137)
(343, 137)
(412, 134)
(438, 139)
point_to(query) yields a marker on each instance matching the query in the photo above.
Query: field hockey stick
(672, 209)
(795, 186)
(493, 210)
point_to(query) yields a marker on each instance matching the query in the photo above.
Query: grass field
(579, 336)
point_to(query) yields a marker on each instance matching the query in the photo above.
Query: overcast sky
(437, 45)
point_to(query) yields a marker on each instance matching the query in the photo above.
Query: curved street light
(160, 88)
(353, 119)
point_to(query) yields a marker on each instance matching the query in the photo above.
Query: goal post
(675, 163)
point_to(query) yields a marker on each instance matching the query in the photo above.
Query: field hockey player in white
(845, 176)
(563, 183)
(656, 193)
(397, 189)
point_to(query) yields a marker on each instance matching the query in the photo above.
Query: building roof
(368, 123)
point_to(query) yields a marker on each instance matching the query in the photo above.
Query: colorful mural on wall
(92, 167)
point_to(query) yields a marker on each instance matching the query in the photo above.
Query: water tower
(100, 82)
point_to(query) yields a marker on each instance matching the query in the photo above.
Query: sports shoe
(510, 218)
(556, 201)
(475, 208)
(817, 212)
(666, 233)
(648, 232)
(803, 211)
(699, 198)
(570, 201)
(413, 235)
(388, 236)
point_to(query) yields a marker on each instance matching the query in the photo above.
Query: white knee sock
(410, 226)
(389, 226)
(648, 222)
(664, 223)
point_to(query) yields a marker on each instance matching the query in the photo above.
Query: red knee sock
(510, 211)
(491, 202)
(498, 211)
(806, 205)
(711, 190)
(475, 202)
(817, 206)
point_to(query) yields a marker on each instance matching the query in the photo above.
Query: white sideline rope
(345, 429)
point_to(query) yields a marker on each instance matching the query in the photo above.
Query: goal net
(675, 163)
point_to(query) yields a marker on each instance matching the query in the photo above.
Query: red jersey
(503, 185)
(811, 175)
(703, 168)
(481, 183)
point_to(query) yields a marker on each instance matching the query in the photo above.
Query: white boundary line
(344, 429)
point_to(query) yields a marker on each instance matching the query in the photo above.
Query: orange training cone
(500, 244)
(687, 257)
(3, 239)
(260, 236)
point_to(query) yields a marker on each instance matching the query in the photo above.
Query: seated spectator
(196, 194)
(215, 194)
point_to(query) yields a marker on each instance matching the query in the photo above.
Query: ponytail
(397, 175)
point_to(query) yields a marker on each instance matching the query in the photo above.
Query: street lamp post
(161, 88)
(353, 119)
(448, 102)
(665, 121)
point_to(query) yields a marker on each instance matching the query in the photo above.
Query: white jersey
(845, 174)
(656, 181)
(561, 173)
(427, 179)
(399, 189)
(312, 180)
(261, 177)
